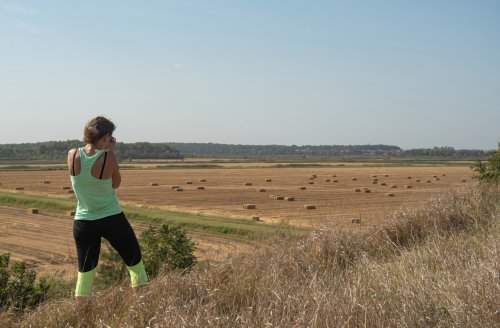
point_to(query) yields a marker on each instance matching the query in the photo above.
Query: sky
(414, 74)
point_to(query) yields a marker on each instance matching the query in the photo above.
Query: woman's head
(96, 129)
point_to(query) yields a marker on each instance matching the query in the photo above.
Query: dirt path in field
(45, 241)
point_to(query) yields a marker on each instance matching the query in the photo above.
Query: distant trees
(57, 150)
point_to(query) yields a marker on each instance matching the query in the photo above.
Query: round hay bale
(374, 182)
(408, 186)
(390, 194)
(249, 206)
(354, 179)
(302, 188)
(189, 182)
(418, 180)
(367, 190)
(408, 177)
(18, 188)
(327, 180)
(65, 188)
(314, 176)
(290, 199)
(309, 207)
(383, 184)
(374, 176)
(32, 211)
(335, 181)
(200, 188)
(464, 180)
(394, 186)
(279, 197)
(357, 190)
(154, 184)
(269, 180)
(444, 175)
(203, 180)
(386, 175)
(44, 181)
(311, 182)
(261, 190)
(255, 218)
(428, 181)
(437, 179)
(334, 176)
(179, 189)
(70, 213)
(434, 176)
(70, 191)
(356, 221)
(175, 187)
(248, 183)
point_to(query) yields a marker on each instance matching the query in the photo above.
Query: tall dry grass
(433, 266)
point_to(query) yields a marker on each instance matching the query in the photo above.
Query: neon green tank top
(96, 197)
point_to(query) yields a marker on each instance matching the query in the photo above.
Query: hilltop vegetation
(57, 150)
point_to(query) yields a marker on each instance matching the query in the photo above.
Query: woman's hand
(112, 144)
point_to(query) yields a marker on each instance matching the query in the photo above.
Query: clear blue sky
(408, 73)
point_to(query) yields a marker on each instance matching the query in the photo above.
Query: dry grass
(432, 266)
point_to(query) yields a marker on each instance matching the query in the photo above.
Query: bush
(18, 288)
(489, 172)
(163, 248)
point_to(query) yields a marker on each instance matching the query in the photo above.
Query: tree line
(57, 150)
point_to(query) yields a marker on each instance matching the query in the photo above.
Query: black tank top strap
(74, 155)
(103, 164)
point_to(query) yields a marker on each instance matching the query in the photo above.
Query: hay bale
(444, 175)
(248, 183)
(335, 181)
(70, 213)
(374, 176)
(386, 175)
(428, 181)
(408, 186)
(354, 179)
(44, 181)
(179, 189)
(32, 210)
(309, 207)
(154, 184)
(189, 182)
(269, 180)
(357, 190)
(65, 188)
(327, 180)
(311, 178)
(390, 194)
(279, 197)
(383, 184)
(437, 179)
(249, 206)
(71, 191)
(290, 199)
(314, 176)
(311, 182)
(408, 177)
(18, 188)
(418, 180)
(302, 188)
(374, 182)
(375, 179)
(356, 221)
(394, 186)
(261, 190)
(255, 218)
(367, 190)
(334, 176)
(434, 176)
(175, 187)
(200, 188)
(203, 180)
(464, 180)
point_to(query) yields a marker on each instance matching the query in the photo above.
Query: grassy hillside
(433, 266)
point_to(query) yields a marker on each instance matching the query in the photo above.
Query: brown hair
(97, 128)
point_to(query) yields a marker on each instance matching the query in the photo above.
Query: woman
(94, 175)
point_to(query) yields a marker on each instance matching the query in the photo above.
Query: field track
(45, 241)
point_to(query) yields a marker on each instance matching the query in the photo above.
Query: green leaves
(489, 171)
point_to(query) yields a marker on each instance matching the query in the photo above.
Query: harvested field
(45, 241)
(336, 202)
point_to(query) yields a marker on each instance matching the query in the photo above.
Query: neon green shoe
(138, 275)
(84, 283)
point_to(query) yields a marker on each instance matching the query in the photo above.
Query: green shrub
(489, 171)
(163, 248)
(18, 286)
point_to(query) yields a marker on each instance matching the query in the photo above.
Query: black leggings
(115, 229)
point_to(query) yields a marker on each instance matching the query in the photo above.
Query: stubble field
(45, 240)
